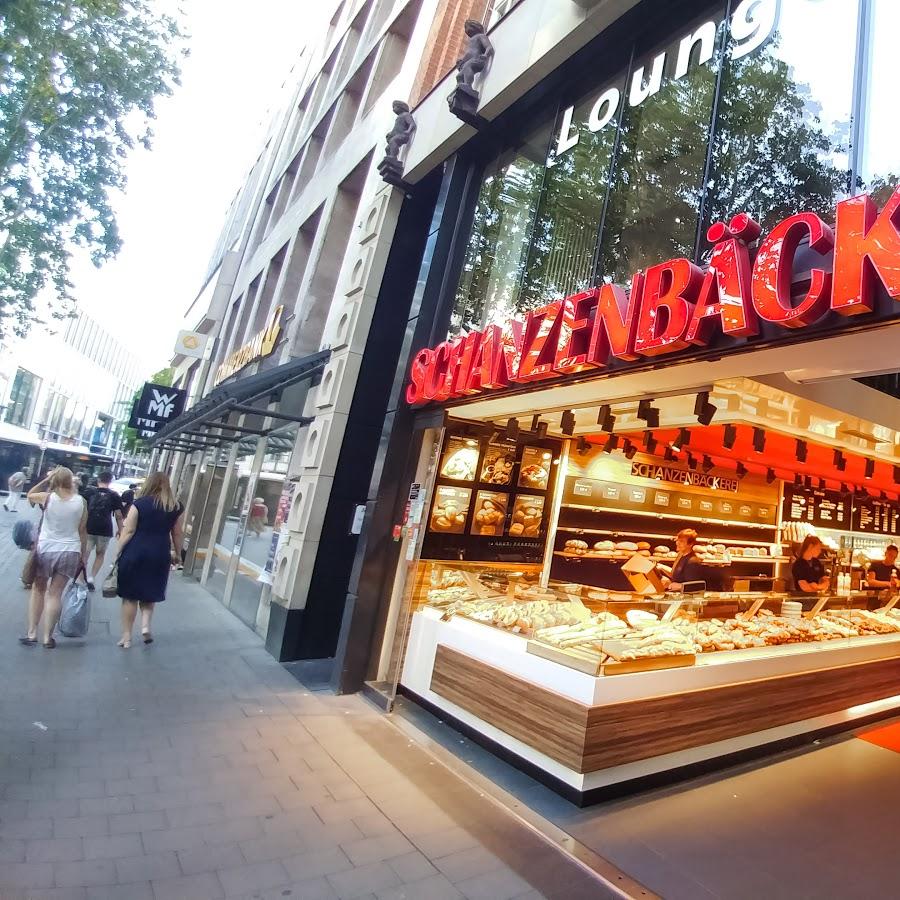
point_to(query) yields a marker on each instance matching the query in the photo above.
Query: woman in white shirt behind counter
(60, 550)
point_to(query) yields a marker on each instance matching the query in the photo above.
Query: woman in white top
(60, 551)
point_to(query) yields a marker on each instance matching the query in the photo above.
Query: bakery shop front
(666, 360)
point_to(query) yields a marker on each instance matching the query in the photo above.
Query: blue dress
(144, 564)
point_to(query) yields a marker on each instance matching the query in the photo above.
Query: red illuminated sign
(676, 304)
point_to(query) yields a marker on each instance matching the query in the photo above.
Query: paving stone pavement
(197, 767)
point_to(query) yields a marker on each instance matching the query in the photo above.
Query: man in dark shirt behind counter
(884, 574)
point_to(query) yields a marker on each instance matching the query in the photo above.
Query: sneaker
(90, 586)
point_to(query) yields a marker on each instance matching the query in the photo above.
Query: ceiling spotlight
(844, 488)
(682, 440)
(808, 482)
(605, 419)
(741, 470)
(896, 474)
(707, 464)
(703, 409)
(692, 463)
(650, 442)
(802, 450)
(567, 422)
(611, 443)
(838, 461)
(669, 456)
(770, 476)
(535, 421)
(582, 446)
(870, 468)
(730, 437)
(759, 440)
(512, 429)
(798, 480)
(542, 429)
(630, 450)
(648, 413)
(821, 484)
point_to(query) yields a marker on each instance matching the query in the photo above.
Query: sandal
(124, 644)
(27, 641)
(148, 638)
(49, 644)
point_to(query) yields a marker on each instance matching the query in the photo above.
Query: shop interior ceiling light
(707, 464)
(648, 412)
(759, 440)
(567, 422)
(807, 480)
(535, 422)
(650, 442)
(821, 484)
(512, 429)
(798, 480)
(741, 470)
(802, 450)
(542, 429)
(582, 446)
(630, 450)
(682, 440)
(605, 419)
(840, 463)
(870, 468)
(703, 409)
(844, 488)
(611, 443)
(669, 456)
(730, 437)
(692, 463)
(896, 474)
(770, 476)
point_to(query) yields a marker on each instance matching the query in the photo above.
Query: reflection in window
(880, 162)
(21, 398)
(501, 233)
(560, 260)
(783, 128)
(658, 180)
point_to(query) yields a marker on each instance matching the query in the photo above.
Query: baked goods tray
(592, 663)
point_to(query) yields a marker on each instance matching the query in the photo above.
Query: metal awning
(205, 424)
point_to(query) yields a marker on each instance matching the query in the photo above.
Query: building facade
(65, 396)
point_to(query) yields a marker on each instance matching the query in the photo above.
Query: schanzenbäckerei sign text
(683, 476)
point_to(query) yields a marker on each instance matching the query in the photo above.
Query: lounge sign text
(676, 305)
(683, 476)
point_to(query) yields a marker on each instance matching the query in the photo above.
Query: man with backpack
(102, 504)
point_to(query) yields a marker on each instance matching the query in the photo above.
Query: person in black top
(808, 571)
(687, 566)
(884, 574)
(102, 505)
(128, 498)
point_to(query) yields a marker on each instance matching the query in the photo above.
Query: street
(200, 768)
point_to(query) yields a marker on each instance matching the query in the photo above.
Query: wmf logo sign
(157, 406)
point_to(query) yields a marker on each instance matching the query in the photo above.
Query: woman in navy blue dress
(152, 526)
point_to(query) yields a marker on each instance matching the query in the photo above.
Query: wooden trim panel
(590, 738)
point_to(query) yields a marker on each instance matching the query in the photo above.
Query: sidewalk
(199, 768)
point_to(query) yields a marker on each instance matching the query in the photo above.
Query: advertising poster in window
(527, 517)
(490, 512)
(279, 532)
(534, 472)
(451, 505)
(498, 464)
(460, 459)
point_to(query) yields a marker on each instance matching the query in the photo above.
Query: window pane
(880, 164)
(781, 143)
(655, 198)
(560, 261)
(501, 232)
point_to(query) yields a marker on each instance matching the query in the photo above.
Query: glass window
(654, 204)
(501, 233)
(783, 128)
(21, 398)
(880, 159)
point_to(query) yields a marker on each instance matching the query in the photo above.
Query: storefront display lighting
(741, 470)
(648, 412)
(759, 440)
(729, 437)
(770, 476)
(802, 450)
(703, 409)
(870, 468)
(605, 419)
(840, 463)
(567, 422)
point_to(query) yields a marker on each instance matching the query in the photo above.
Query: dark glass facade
(751, 105)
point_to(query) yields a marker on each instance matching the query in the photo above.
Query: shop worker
(808, 570)
(687, 566)
(884, 574)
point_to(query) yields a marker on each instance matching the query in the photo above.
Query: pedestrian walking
(60, 550)
(14, 485)
(128, 497)
(152, 526)
(104, 506)
(259, 516)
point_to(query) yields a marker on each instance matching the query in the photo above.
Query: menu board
(873, 516)
(631, 498)
(460, 459)
(824, 509)
(534, 471)
(490, 513)
(451, 505)
(527, 517)
(499, 460)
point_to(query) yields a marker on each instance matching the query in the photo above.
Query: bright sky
(207, 136)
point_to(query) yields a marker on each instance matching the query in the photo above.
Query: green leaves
(78, 83)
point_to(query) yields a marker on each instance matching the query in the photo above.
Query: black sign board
(871, 516)
(823, 509)
(155, 408)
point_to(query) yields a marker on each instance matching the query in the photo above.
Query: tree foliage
(79, 82)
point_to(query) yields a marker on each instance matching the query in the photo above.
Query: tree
(78, 89)
(131, 443)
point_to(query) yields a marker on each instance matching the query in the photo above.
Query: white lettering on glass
(751, 25)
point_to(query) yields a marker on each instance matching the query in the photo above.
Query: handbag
(111, 582)
(29, 570)
(75, 614)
